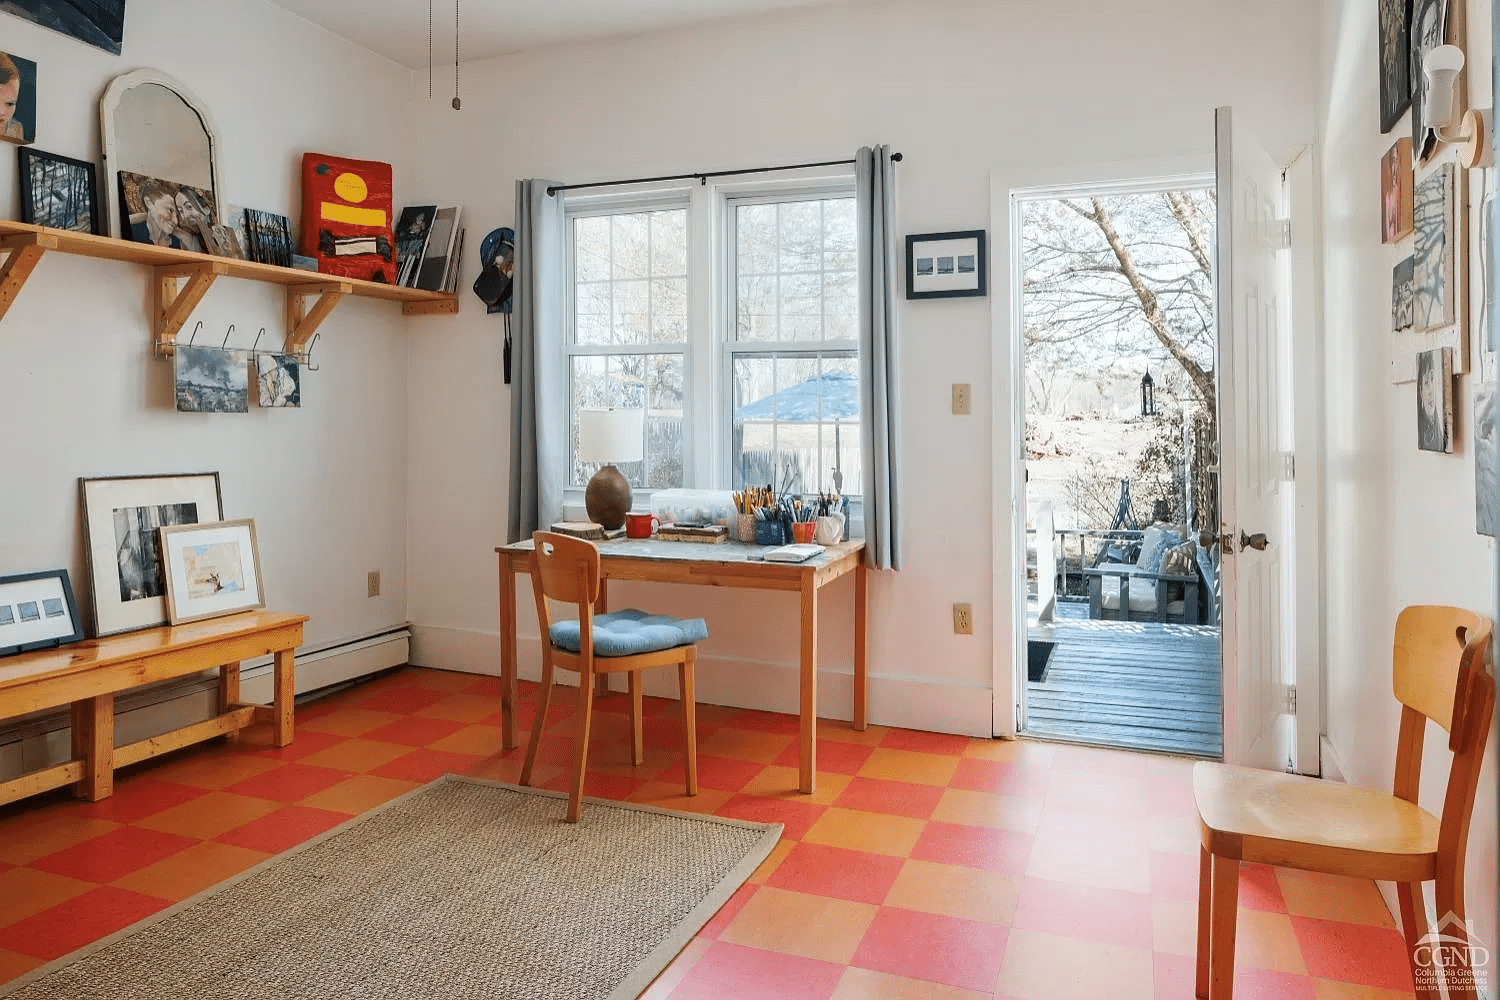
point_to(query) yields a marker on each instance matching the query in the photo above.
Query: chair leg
(1414, 928)
(581, 760)
(637, 737)
(689, 719)
(1205, 914)
(539, 721)
(1458, 978)
(1226, 891)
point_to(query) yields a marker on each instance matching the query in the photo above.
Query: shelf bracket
(303, 321)
(25, 251)
(174, 305)
(437, 307)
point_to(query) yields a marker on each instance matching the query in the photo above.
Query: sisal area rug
(459, 890)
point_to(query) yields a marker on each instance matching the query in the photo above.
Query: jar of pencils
(802, 531)
(769, 531)
(744, 527)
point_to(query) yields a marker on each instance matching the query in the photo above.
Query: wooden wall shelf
(184, 277)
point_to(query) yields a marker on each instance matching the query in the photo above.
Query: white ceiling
(397, 29)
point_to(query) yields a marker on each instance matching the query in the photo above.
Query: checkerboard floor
(925, 866)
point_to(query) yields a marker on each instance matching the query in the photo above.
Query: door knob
(1256, 541)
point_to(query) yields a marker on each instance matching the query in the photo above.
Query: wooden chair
(566, 570)
(1440, 672)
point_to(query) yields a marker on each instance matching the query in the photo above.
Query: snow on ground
(1058, 447)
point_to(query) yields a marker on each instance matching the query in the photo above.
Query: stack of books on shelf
(590, 530)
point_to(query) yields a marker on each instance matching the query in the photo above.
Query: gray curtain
(879, 356)
(536, 452)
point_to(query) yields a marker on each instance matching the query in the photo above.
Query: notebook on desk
(799, 552)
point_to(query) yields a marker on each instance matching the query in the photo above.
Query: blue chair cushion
(627, 632)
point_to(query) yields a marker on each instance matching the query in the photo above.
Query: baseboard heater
(40, 740)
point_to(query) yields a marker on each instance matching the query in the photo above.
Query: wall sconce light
(1441, 66)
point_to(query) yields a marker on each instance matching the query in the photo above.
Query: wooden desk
(725, 565)
(87, 675)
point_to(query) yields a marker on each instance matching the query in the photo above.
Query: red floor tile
(289, 783)
(834, 756)
(401, 700)
(947, 950)
(71, 925)
(425, 765)
(974, 847)
(723, 773)
(797, 817)
(1259, 889)
(1110, 916)
(996, 776)
(766, 722)
(415, 732)
(304, 743)
(924, 742)
(283, 828)
(1353, 953)
(597, 785)
(732, 972)
(113, 855)
(139, 798)
(837, 873)
(899, 798)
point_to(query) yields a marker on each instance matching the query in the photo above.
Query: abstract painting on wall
(100, 23)
(1401, 293)
(1395, 192)
(1486, 476)
(212, 380)
(280, 380)
(1435, 400)
(1395, 51)
(1429, 28)
(1432, 279)
(346, 217)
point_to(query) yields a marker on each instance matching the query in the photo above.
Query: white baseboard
(329, 665)
(894, 700)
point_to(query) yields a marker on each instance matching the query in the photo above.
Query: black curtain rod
(703, 177)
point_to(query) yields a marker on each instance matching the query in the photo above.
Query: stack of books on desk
(711, 534)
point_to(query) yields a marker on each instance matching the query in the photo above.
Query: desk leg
(285, 698)
(229, 693)
(809, 727)
(507, 654)
(94, 744)
(861, 645)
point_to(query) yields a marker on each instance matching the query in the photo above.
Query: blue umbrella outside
(833, 395)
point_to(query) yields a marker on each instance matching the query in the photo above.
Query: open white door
(1255, 458)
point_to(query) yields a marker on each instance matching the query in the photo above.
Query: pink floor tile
(732, 972)
(897, 798)
(962, 953)
(1111, 916)
(797, 817)
(1353, 953)
(1002, 851)
(837, 873)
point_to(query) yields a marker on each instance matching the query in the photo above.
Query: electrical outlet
(961, 399)
(963, 619)
(372, 583)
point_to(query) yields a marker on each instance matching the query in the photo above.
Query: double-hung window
(728, 314)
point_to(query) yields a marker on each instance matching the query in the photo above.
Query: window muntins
(781, 265)
(794, 420)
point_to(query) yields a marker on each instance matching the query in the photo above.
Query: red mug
(640, 525)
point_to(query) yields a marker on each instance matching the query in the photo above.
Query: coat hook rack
(254, 348)
(225, 346)
(196, 327)
(307, 364)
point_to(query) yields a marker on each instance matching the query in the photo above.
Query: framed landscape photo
(59, 191)
(211, 570)
(37, 611)
(121, 515)
(945, 265)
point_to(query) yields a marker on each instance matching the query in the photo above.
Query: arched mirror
(153, 126)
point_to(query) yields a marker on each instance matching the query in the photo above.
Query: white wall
(80, 393)
(1399, 521)
(965, 89)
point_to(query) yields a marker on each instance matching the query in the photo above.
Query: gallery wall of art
(1402, 524)
(81, 389)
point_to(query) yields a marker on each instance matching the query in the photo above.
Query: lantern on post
(1148, 396)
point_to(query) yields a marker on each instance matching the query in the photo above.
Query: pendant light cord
(429, 50)
(457, 104)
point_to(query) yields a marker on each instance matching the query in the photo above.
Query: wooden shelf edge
(26, 243)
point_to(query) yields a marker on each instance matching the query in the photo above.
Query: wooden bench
(88, 675)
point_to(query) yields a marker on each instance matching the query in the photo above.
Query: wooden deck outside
(1137, 685)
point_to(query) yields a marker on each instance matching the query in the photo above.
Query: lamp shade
(611, 436)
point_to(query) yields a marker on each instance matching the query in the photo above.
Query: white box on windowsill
(693, 506)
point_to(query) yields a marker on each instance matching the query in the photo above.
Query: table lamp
(610, 436)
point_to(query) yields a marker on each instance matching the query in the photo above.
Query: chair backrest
(565, 569)
(1441, 671)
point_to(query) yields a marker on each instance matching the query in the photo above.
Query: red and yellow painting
(346, 217)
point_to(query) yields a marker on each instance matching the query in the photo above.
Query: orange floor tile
(925, 866)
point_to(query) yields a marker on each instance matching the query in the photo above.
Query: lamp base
(608, 498)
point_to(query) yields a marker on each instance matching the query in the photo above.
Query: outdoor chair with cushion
(566, 570)
(1164, 584)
